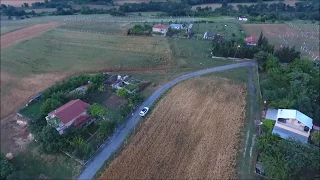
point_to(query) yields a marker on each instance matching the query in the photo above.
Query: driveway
(119, 137)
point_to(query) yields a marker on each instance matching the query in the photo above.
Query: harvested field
(193, 133)
(283, 34)
(25, 33)
(15, 91)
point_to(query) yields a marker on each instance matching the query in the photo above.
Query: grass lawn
(238, 74)
(219, 28)
(67, 51)
(55, 166)
(33, 110)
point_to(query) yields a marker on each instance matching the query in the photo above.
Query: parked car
(144, 111)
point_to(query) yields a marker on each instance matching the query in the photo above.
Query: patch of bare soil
(114, 101)
(193, 133)
(14, 134)
(24, 33)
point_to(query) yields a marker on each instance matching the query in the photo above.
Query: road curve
(118, 138)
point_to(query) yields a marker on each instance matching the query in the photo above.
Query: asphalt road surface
(119, 137)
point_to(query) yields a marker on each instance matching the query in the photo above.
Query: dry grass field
(193, 133)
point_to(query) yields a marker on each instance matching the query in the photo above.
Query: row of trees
(292, 86)
(138, 29)
(237, 47)
(286, 158)
(263, 12)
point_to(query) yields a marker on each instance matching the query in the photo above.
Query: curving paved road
(96, 163)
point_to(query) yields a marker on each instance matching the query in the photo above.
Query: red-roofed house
(250, 41)
(73, 113)
(160, 28)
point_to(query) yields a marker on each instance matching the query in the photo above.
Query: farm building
(208, 35)
(73, 113)
(243, 18)
(250, 41)
(160, 28)
(290, 124)
(176, 26)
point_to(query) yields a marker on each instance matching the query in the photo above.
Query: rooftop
(70, 110)
(161, 26)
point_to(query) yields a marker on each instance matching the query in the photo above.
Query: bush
(6, 167)
(106, 128)
(97, 110)
(267, 125)
(122, 93)
(49, 105)
(49, 140)
(316, 138)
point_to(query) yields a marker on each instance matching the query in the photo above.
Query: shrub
(267, 125)
(316, 138)
(97, 110)
(49, 105)
(122, 93)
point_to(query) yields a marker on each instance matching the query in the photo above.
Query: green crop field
(224, 28)
(58, 50)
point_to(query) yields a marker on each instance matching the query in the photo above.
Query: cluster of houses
(163, 29)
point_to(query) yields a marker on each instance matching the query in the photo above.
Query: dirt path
(120, 135)
(24, 33)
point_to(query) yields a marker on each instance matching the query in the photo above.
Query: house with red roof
(161, 28)
(73, 113)
(251, 41)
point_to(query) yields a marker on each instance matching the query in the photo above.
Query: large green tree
(6, 168)
(49, 105)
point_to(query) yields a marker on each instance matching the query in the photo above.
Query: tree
(6, 167)
(261, 58)
(106, 128)
(97, 110)
(266, 140)
(290, 159)
(49, 105)
(122, 93)
(49, 140)
(287, 54)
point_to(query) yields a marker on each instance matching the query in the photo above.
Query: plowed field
(22, 34)
(193, 133)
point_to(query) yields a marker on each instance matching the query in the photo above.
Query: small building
(250, 41)
(160, 28)
(290, 123)
(73, 113)
(208, 35)
(176, 26)
(82, 89)
(242, 18)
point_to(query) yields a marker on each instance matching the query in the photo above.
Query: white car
(144, 111)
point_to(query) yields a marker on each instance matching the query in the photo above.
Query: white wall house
(160, 28)
(290, 123)
(73, 113)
